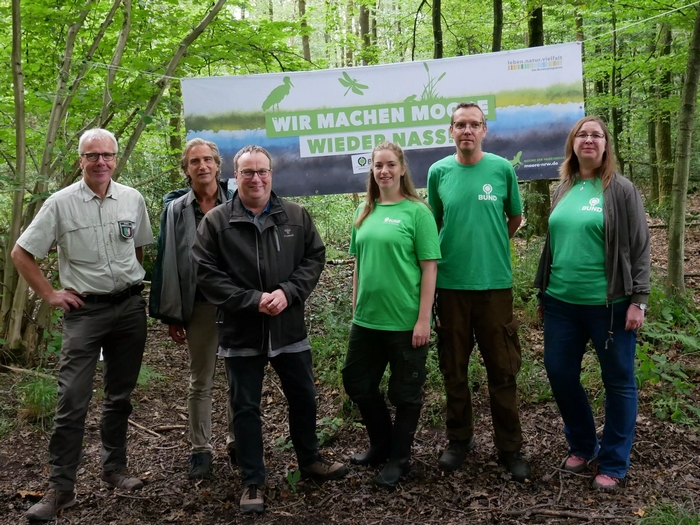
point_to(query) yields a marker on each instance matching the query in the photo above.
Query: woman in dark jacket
(594, 285)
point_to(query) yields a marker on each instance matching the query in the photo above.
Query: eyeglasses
(264, 174)
(461, 126)
(92, 157)
(595, 137)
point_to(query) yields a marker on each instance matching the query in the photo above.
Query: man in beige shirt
(99, 227)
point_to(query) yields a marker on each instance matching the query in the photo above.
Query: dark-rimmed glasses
(92, 157)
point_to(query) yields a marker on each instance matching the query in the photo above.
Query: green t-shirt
(388, 246)
(577, 238)
(472, 202)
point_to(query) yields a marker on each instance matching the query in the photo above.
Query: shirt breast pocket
(124, 237)
(79, 240)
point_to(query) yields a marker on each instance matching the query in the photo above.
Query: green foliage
(655, 368)
(333, 216)
(54, 337)
(293, 478)
(327, 428)
(524, 261)
(37, 400)
(672, 513)
(283, 443)
(672, 322)
(148, 375)
(670, 329)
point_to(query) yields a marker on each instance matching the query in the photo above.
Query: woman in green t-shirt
(396, 247)
(594, 285)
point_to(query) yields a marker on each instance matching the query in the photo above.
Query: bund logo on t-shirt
(392, 221)
(488, 197)
(592, 205)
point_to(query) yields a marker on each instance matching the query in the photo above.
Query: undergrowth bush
(672, 514)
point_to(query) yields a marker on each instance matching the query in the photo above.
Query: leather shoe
(515, 464)
(120, 480)
(52, 502)
(455, 454)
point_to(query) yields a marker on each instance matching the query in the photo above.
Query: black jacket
(236, 263)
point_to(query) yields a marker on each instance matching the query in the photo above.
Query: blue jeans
(245, 376)
(567, 329)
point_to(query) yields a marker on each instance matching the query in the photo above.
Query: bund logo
(487, 189)
(593, 205)
(392, 221)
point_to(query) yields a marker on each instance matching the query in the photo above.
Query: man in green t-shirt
(474, 197)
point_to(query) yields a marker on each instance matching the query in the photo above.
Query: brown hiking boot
(119, 479)
(324, 470)
(252, 500)
(52, 502)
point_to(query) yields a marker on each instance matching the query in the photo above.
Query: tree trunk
(676, 227)
(9, 276)
(539, 202)
(497, 25)
(349, 14)
(365, 33)
(664, 143)
(616, 114)
(580, 38)
(304, 31)
(175, 141)
(437, 29)
(651, 141)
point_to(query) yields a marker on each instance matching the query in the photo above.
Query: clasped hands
(273, 303)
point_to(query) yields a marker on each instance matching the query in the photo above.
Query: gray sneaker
(324, 470)
(52, 502)
(118, 479)
(252, 500)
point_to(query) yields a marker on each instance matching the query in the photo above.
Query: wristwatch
(641, 306)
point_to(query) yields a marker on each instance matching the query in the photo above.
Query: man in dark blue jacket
(258, 258)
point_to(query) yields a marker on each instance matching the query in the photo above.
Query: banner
(321, 126)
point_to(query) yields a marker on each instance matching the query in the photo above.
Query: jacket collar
(239, 212)
(221, 197)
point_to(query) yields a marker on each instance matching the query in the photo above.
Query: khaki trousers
(202, 344)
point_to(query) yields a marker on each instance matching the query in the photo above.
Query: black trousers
(245, 375)
(369, 353)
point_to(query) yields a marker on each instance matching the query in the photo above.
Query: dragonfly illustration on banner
(352, 84)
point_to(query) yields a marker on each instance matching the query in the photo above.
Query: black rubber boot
(399, 464)
(377, 419)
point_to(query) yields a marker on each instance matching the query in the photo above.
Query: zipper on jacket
(262, 287)
(277, 238)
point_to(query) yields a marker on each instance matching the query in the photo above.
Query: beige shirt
(96, 239)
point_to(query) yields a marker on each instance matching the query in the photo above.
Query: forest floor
(665, 459)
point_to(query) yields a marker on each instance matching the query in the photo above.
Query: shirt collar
(88, 194)
(265, 209)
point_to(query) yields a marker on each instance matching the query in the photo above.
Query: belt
(115, 297)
